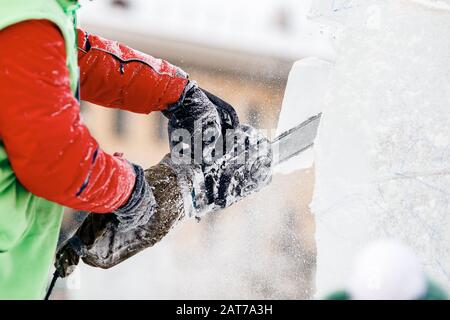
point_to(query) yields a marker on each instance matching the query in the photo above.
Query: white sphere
(387, 270)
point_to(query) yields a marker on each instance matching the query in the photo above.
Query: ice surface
(435, 4)
(303, 98)
(383, 151)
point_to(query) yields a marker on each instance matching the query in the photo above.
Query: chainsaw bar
(296, 140)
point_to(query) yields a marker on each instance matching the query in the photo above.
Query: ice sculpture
(382, 157)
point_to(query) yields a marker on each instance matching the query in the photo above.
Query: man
(48, 159)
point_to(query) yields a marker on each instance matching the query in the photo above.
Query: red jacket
(51, 151)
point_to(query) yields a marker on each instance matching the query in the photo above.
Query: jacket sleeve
(116, 76)
(51, 152)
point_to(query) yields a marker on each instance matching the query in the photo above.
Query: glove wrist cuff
(179, 104)
(140, 206)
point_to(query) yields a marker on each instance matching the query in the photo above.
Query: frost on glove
(243, 166)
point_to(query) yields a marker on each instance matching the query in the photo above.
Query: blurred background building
(242, 51)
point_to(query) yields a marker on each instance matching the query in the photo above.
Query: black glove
(244, 167)
(206, 119)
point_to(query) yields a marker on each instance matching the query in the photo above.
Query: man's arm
(52, 153)
(116, 76)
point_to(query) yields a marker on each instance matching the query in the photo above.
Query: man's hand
(200, 118)
(99, 242)
(243, 167)
(67, 258)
